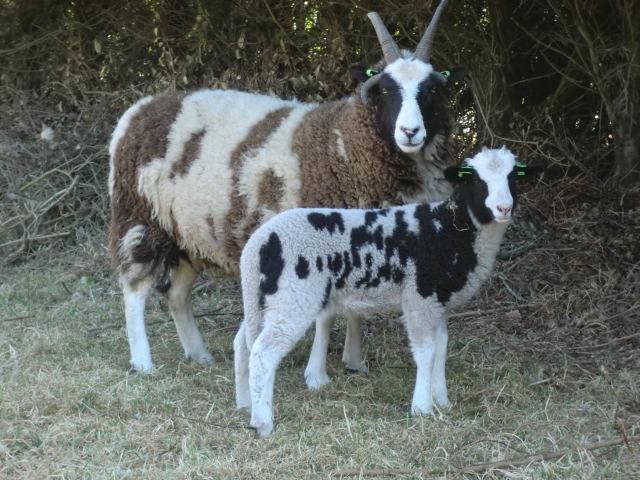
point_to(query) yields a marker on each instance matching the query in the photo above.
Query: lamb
(306, 265)
(192, 175)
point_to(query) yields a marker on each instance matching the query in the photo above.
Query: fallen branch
(482, 467)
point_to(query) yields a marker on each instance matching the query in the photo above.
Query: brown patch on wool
(144, 140)
(190, 153)
(374, 173)
(255, 138)
(270, 191)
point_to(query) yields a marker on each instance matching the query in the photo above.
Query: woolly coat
(199, 193)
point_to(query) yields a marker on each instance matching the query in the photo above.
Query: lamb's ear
(458, 174)
(361, 74)
(455, 74)
(529, 172)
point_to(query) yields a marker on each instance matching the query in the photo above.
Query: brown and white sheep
(193, 174)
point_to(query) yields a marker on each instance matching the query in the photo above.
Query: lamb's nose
(504, 209)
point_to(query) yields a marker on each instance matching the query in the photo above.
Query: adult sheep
(192, 175)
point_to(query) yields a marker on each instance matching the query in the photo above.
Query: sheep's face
(410, 101)
(489, 183)
(406, 95)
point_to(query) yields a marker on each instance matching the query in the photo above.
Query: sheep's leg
(135, 297)
(352, 353)
(278, 338)
(422, 338)
(440, 395)
(241, 363)
(316, 372)
(179, 300)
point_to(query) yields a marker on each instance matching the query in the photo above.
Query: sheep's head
(407, 93)
(488, 183)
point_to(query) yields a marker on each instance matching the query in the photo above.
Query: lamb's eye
(433, 89)
(385, 90)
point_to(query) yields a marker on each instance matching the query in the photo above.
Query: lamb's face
(489, 183)
(410, 104)
(494, 184)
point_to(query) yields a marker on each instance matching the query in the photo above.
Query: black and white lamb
(306, 265)
(192, 175)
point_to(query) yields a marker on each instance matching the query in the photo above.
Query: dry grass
(544, 360)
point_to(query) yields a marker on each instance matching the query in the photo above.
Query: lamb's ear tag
(445, 73)
(522, 170)
(370, 72)
(465, 171)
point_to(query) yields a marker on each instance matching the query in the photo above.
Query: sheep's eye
(433, 89)
(385, 90)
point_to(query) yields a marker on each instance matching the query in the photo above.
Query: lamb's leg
(352, 353)
(316, 372)
(279, 336)
(422, 338)
(135, 296)
(440, 395)
(241, 363)
(179, 300)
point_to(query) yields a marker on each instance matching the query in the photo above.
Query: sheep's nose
(410, 132)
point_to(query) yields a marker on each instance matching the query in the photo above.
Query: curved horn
(389, 48)
(423, 50)
(366, 86)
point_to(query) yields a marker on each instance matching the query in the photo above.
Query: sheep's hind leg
(352, 353)
(179, 299)
(135, 296)
(241, 365)
(278, 338)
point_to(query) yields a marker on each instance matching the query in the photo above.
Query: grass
(72, 409)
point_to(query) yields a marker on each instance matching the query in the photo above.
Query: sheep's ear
(529, 171)
(455, 74)
(361, 74)
(458, 174)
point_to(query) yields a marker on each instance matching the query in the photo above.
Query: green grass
(72, 409)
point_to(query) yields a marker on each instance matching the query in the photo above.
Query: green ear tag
(521, 173)
(445, 73)
(465, 171)
(371, 73)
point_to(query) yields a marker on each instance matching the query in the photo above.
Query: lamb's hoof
(361, 369)
(245, 409)
(204, 358)
(421, 411)
(141, 367)
(316, 381)
(264, 429)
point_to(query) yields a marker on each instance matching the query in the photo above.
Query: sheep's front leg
(440, 394)
(179, 300)
(316, 372)
(352, 353)
(135, 297)
(422, 334)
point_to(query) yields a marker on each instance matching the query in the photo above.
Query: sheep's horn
(366, 86)
(423, 50)
(389, 48)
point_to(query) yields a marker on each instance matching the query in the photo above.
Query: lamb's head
(488, 183)
(407, 94)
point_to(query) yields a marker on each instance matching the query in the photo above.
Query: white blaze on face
(410, 132)
(494, 167)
